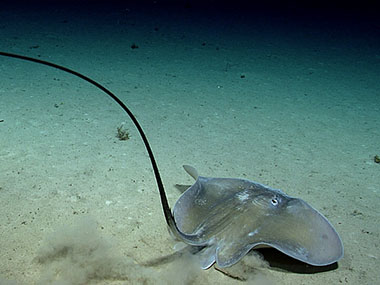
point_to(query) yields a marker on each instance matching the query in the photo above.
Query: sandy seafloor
(291, 100)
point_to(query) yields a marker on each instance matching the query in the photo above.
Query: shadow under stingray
(279, 261)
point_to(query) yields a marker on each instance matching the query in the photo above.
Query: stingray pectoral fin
(206, 256)
(303, 233)
(230, 252)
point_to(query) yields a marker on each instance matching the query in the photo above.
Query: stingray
(224, 218)
(229, 217)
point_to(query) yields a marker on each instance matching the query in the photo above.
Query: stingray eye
(274, 201)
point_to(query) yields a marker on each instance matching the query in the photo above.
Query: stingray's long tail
(164, 201)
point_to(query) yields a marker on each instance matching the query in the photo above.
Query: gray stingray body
(229, 217)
